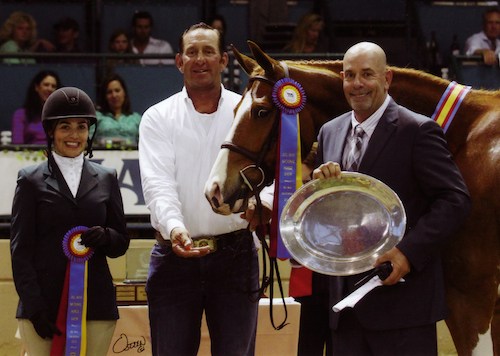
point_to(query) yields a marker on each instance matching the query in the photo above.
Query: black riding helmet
(67, 103)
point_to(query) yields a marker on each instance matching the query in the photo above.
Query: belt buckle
(206, 241)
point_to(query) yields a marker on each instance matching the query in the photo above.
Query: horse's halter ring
(257, 159)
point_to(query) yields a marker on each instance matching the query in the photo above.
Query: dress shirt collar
(71, 169)
(369, 124)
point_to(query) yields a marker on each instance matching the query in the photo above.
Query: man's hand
(400, 265)
(182, 245)
(257, 217)
(489, 56)
(327, 170)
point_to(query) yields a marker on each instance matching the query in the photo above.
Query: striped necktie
(355, 151)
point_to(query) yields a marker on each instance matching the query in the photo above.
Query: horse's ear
(247, 63)
(270, 65)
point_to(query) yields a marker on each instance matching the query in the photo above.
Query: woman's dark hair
(33, 105)
(103, 102)
(115, 34)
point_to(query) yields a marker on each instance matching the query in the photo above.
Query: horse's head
(246, 162)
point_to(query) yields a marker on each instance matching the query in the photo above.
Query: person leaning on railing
(18, 35)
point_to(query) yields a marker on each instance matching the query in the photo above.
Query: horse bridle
(257, 159)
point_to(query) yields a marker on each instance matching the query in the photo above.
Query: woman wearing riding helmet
(61, 198)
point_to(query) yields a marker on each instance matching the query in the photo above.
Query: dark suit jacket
(43, 211)
(409, 153)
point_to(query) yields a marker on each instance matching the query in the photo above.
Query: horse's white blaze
(218, 174)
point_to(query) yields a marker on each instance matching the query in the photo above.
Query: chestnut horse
(472, 261)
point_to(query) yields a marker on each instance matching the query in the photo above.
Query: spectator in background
(27, 121)
(18, 34)
(67, 32)
(116, 121)
(218, 22)
(487, 42)
(143, 43)
(119, 43)
(308, 36)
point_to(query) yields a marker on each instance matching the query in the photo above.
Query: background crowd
(139, 45)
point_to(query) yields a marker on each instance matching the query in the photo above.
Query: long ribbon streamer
(72, 316)
(290, 98)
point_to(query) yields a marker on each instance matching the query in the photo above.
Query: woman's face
(22, 32)
(70, 137)
(46, 87)
(115, 95)
(120, 44)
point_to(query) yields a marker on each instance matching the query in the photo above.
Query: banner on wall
(125, 162)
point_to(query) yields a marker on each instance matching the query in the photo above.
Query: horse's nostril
(215, 202)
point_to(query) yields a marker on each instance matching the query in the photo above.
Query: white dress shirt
(177, 149)
(479, 41)
(71, 169)
(155, 46)
(368, 127)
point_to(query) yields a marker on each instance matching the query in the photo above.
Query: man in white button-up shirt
(487, 42)
(143, 43)
(180, 138)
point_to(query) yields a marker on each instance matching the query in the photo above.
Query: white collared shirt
(71, 169)
(155, 46)
(368, 126)
(479, 41)
(177, 149)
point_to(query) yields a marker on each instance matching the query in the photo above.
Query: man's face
(492, 25)
(201, 61)
(142, 29)
(366, 82)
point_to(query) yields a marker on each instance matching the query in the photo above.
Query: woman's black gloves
(95, 237)
(43, 326)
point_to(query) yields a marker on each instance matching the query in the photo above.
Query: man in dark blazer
(409, 153)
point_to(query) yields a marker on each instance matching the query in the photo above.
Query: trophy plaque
(132, 290)
(340, 226)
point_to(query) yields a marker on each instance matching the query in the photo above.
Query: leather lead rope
(263, 232)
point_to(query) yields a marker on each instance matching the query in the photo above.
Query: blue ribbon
(288, 169)
(76, 306)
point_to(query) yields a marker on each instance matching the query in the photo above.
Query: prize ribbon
(72, 316)
(290, 98)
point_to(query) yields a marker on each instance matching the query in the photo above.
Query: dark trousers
(222, 284)
(315, 335)
(351, 338)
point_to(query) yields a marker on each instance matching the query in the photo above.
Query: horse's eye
(262, 113)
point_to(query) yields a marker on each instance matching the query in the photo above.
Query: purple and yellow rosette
(290, 98)
(78, 255)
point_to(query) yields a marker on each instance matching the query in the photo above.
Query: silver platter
(340, 226)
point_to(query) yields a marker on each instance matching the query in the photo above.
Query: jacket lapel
(56, 181)
(339, 145)
(88, 181)
(384, 130)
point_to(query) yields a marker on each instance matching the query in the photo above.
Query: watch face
(340, 226)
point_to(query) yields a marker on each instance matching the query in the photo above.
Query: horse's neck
(421, 93)
(417, 91)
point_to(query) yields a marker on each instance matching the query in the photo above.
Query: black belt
(215, 241)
